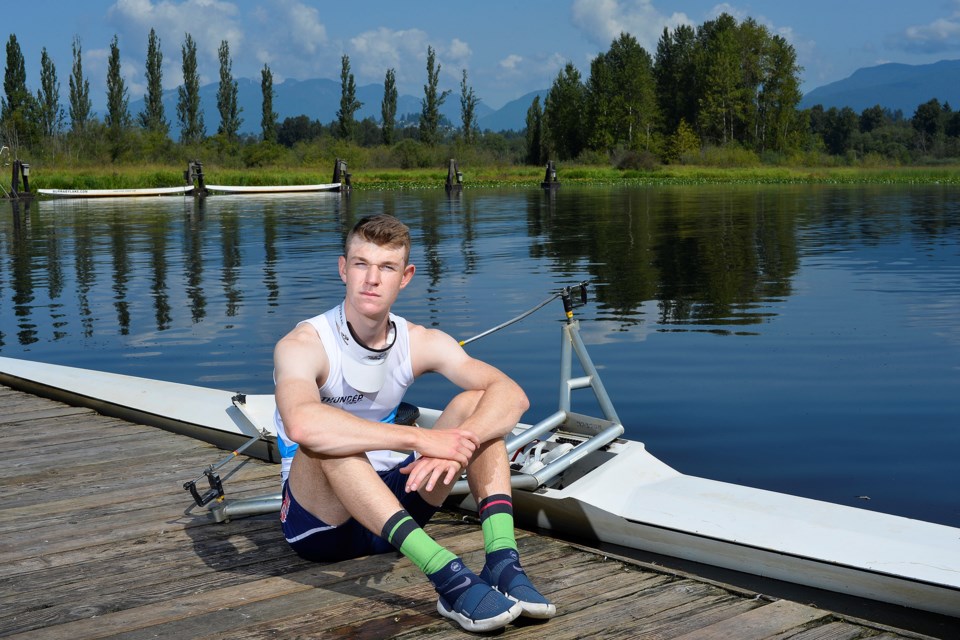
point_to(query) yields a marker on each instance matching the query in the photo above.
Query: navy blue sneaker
(475, 605)
(507, 576)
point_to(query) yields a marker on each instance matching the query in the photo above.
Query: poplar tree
(534, 134)
(388, 109)
(152, 117)
(17, 106)
(468, 110)
(48, 97)
(348, 100)
(79, 91)
(230, 120)
(432, 101)
(118, 113)
(189, 114)
(268, 120)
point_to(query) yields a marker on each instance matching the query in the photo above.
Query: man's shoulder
(304, 335)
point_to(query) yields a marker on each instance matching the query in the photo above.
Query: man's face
(374, 275)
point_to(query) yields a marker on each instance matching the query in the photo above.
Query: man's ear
(408, 272)
(342, 268)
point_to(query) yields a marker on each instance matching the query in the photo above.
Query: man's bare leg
(489, 478)
(336, 489)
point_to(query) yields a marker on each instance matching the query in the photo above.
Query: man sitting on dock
(340, 377)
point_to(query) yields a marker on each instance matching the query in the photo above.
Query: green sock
(496, 520)
(403, 532)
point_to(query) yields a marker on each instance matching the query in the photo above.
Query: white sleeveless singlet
(379, 407)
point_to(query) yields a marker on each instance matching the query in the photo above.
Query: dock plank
(99, 540)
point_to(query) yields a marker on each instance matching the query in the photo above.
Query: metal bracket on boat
(215, 492)
(597, 432)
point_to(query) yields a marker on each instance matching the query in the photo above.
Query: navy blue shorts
(315, 540)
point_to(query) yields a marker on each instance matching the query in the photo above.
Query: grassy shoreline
(131, 177)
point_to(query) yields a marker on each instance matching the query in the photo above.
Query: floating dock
(99, 540)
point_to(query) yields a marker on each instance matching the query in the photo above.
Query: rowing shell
(580, 478)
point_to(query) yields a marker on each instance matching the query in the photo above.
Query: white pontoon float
(290, 188)
(579, 477)
(116, 193)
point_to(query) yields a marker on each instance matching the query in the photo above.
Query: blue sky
(508, 48)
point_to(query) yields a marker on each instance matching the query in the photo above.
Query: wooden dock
(99, 540)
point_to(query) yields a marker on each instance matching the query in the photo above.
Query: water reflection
(712, 259)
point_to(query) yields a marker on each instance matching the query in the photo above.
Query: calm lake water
(803, 339)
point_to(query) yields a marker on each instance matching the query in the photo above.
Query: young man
(340, 377)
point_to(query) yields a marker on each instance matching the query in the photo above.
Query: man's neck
(371, 331)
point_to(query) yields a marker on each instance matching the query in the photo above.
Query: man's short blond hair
(382, 230)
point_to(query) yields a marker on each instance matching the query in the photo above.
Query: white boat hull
(294, 188)
(115, 193)
(620, 495)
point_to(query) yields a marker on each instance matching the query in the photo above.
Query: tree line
(725, 91)
(38, 125)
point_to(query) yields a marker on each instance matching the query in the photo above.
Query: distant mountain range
(894, 86)
(319, 99)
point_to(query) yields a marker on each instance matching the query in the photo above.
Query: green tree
(872, 118)
(230, 119)
(839, 128)
(298, 129)
(432, 101)
(621, 96)
(118, 112)
(79, 91)
(563, 113)
(152, 118)
(189, 114)
(721, 88)
(534, 133)
(348, 101)
(388, 108)
(781, 96)
(18, 106)
(268, 121)
(928, 124)
(683, 142)
(468, 110)
(48, 97)
(674, 71)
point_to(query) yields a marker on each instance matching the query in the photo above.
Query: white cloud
(207, 21)
(458, 51)
(303, 27)
(292, 40)
(511, 62)
(943, 34)
(602, 21)
(404, 51)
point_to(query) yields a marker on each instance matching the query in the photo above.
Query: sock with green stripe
(450, 577)
(403, 532)
(496, 520)
(502, 570)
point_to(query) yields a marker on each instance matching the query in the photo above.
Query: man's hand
(444, 452)
(455, 445)
(425, 472)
